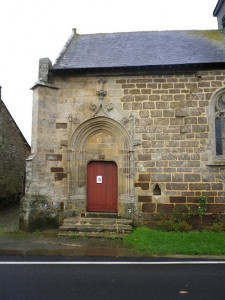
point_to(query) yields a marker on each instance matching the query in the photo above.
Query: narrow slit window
(219, 140)
(157, 190)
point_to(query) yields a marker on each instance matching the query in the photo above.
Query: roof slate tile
(132, 49)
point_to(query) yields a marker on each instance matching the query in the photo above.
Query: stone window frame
(214, 158)
(223, 22)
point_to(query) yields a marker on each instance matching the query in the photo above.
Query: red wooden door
(102, 186)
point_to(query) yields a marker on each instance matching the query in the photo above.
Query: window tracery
(220, 125)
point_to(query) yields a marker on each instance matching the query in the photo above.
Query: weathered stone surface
(219, 199)
(144, 198)
(37, 212)
(13, 153)
(191, 177)
(61, 125)
(215, 208)
(169, 115)
(144, 177)
(60, 176)
(54, 157)
(177, 199)
(163, 208)
(177, 186)
(149, 207)
(122, 227)
(124, 221)
(161, 177)
(55, 169)
(108, 221)
(142, 185)
(199, 186)
(87, 226)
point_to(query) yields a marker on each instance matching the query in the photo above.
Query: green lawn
(154, 242)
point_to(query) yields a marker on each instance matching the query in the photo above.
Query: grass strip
(154, 242)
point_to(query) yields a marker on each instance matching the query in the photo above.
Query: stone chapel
(125, 124)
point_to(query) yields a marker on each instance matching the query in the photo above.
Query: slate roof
(136, 49)
(218, 7)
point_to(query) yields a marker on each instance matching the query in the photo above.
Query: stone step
(96, 226)
(102, 215)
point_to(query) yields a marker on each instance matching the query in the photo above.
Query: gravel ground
(9, 219)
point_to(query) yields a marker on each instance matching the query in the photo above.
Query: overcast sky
(32, 29)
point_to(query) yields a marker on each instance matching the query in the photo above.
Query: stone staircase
(107, 225)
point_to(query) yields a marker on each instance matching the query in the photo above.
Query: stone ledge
(215, 163)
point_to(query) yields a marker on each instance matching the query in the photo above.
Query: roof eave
(149, 68)
(217, 8)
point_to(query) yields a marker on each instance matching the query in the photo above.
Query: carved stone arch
(97, 124)
(100, 138)
(217, 94)
(216, 109)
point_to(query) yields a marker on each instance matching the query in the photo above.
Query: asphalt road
(64, 278)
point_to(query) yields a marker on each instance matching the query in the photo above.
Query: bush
(173, 221)
(165, 225)
(216, 227)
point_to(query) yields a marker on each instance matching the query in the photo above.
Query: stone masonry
(158, 128)
(14, 150)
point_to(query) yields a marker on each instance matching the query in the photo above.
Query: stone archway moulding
(79, 157)
(100, 124)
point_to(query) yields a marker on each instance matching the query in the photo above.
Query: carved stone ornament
(93, 107)
(101, 93)
(109, 107)
(220, 106)
(70, 118)
(137, 142)
(74, 120)
(125, 120)
(63, 143)
(101, 156)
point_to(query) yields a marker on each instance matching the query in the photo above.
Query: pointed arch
(113, 144)
(100, 124)
(217, 125)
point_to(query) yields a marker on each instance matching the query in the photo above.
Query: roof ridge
(144, 31)
(217, 8)
(65, 47)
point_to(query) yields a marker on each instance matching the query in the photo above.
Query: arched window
(216, 142)
(156, 190)
(220, 124)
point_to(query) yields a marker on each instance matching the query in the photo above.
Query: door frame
(113, 209)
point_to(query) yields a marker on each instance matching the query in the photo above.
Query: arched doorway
(102, 186)
(100, 139)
